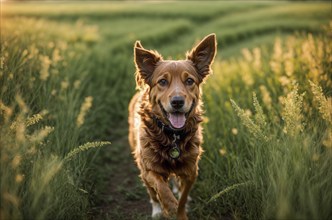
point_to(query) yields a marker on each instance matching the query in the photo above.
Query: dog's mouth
(177, 119)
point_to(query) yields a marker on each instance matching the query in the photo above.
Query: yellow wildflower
(223, 151)
(64, 85)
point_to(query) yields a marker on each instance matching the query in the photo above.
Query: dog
(164, 123)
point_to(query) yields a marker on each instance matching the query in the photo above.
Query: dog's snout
(177, 102)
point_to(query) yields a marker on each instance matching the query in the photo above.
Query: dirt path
(119, 191)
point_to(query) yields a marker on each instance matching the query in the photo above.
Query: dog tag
(174, 152)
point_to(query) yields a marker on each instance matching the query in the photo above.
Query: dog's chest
(157, 157)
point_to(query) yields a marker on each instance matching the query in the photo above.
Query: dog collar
(168, 130)
(174, 152)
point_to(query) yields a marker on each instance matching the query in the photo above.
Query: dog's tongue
(177, 119)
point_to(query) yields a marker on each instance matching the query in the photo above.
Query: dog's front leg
(186, 184)
(164, 193)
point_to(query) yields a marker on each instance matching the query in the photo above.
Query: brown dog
(164, 117)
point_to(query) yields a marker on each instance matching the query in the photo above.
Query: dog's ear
(138, 44)
(203, 55)
(145, 61)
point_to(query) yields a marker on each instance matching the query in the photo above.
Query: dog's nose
(177, 102)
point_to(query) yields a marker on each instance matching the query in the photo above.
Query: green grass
(278, 158)
(69, 66)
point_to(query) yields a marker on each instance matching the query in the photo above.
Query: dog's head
(174, 86)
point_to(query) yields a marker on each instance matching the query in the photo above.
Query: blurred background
(67, 75)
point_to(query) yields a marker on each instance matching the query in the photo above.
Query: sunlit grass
(40, 164)
(281, 145)
(67, 76)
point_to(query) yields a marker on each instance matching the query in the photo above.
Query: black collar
(169, 131)
(176, 135)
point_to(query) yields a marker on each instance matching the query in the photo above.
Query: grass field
(67, 75)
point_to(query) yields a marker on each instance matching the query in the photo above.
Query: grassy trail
(121, 193)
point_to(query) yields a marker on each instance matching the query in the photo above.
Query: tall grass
(67, 75)
(272, 159)
(42, 115)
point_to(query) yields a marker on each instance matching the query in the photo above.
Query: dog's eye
(189, 81)
(163, 82)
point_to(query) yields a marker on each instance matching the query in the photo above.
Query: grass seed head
(266, 97)
(252, 127)
(257, 59)
(292, 112)
(259, 116)
(45, 66)
(87, 104)
(324, 104)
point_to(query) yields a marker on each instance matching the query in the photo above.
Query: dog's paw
(156, 210)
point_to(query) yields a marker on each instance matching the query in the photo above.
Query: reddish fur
(148, 142)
